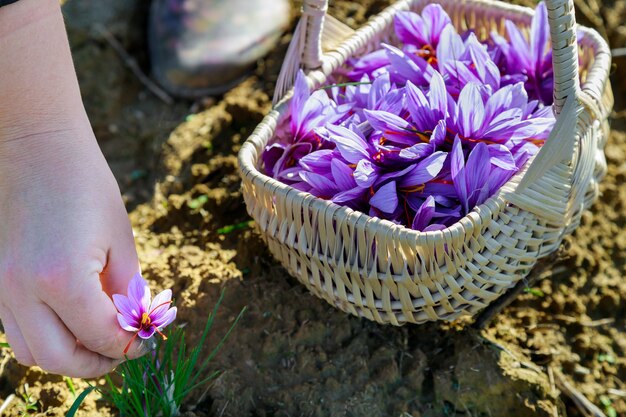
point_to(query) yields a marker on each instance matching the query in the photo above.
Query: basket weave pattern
(391, 274)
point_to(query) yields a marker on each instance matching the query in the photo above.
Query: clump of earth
(292, 354)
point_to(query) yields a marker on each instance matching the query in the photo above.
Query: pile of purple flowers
(421, 134)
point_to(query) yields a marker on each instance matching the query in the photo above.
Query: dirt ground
(292, 354)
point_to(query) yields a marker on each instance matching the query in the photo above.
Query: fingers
(122, 262)
(55, 349)
(14, 337)
(91, 317)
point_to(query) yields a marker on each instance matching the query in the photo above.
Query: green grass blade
(231, 228)
(205, 363)
(345, 84)
(78, 401)
(70, 385)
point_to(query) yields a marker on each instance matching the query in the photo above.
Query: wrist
(35, 152)
(38, 87)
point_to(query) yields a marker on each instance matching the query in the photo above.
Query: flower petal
(352, 198)
(126, 324)
(438, 96)
(160, 303)
(146, 333)
(139, 292)
(407, 68)
(417, 151)
(419, 108)
(351, 145)
(369, 64)
(539, 35)
(322, 186)
(518, 52)
(424, 171)
(392, 127)
(386, 198)
(380, 88)
(165, 318)
(410, 27)
(457, 168)
(301, 95)
(450, 47)
(424, 215)
(365, 174)
(318, 160)
(342, 174)
(437, 19)
(477, 172)
(127, 308)
(501, 157)
(470, 111)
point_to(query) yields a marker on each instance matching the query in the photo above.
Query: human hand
(65, 245)
(65, 240)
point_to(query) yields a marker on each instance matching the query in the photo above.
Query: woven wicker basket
(388, 273)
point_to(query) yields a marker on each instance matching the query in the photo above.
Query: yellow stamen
(145, 320)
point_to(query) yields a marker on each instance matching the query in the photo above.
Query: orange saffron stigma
(415, 189)
(159, 332)
(160, 305)
(130, 342)
(428, 52)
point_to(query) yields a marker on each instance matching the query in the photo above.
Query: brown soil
(292, 354)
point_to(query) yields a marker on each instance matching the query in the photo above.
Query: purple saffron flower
(311, 110)
(401, 140)
(422, 31)
(478, 178)
(342, 175)
(409, 180)
(407, 67)
(379, 94)
(139, 314)
(308, 112)
(499, 118)
(462, 62)
(425, 215)
(372, 65)
(432, 128)
(533, 57)
(281, 160)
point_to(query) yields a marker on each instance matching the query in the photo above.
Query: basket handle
(315, 11)
(564, 42)
(305, 48)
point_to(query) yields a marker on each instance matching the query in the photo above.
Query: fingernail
(147, 346)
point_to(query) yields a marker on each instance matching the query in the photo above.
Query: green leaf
(611, 412)
(79, 400)
(605, 401)
(606, 357)
(4, 345)
(198, 202)
(70, 385)
(228, 229)
(534, 291)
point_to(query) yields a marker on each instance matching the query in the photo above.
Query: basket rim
(249, 157)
